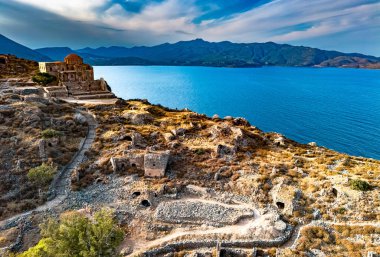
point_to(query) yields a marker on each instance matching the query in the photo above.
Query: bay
(336, 108)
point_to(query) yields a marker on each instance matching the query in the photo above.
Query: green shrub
(43, 78)
(42, 174)
(50, 133)
(75, 234)
(200, 151)
(360, 185)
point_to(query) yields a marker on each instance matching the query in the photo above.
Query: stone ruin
(74, 79)
(286, 197)
(153, 164)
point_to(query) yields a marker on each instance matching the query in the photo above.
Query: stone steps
(80, 93)
(95, 96)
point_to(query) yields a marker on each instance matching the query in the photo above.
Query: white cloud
(84, 10)
(324, 16)
(279, 20)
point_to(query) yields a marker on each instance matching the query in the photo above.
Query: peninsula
(131, 178)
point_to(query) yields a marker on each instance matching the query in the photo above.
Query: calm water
(337, 108)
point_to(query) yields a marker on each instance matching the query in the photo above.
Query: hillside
(11, 66)
(8, 46)
(178, 183)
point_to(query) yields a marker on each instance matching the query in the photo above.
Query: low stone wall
(195, 244)
(198, 212)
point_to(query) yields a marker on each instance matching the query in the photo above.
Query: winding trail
(60, 186)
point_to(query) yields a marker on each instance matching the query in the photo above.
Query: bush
(43, 78)
(77, 235)
(360, 185)
(199, 151)
(50, 133)
(42, 174)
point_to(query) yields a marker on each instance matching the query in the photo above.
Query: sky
(343, 25)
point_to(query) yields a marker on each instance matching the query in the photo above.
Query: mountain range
(8, 46)
(200, 53)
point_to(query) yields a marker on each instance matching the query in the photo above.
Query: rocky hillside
(11, 66)
(33, 131)
(178, 183)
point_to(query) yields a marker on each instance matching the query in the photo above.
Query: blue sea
(336, 108)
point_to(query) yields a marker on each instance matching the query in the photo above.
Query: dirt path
(61, 185)
(292, 242)
(240, 228)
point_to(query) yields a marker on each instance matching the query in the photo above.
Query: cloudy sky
(345, 25)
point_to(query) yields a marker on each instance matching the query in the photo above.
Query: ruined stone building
(153, 164)
(74, 79)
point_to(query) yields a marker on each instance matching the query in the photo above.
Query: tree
(43, 78)
(77, 235)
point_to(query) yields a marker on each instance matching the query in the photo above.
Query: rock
(169, 137)
(312, 144)
(241, 122)
(279, 141)
(154, 135)
(280, 225)
(6, 110)
(138, 141)
(80, 118)
(179, 132)
(316, 214)
(42, 149)
(35, 98)
(317, 253)
(228, 118)
(27, 91)
(139, 118)
(215, 116)
(223, 150)
(70, 123)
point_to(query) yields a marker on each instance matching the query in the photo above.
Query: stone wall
(196, 244)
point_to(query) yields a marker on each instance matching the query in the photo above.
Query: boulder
(80, 118)
(139, 118)
(223, 150)
(169, 137)
(137, 140)
(179, 132)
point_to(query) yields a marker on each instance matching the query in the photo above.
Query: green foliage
(49, 133)
(43, 78)
(360, 185)
(42, 174)
(77, 235)
(200, 151)
(40, 250)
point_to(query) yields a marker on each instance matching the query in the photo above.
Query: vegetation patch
(76, 234)
(360, 185)
(43, 78)
(42, 174)
(50, 133)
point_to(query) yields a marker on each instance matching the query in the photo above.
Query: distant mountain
(55, 53)
(8, 46)
(200, 52)
(59, 53)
